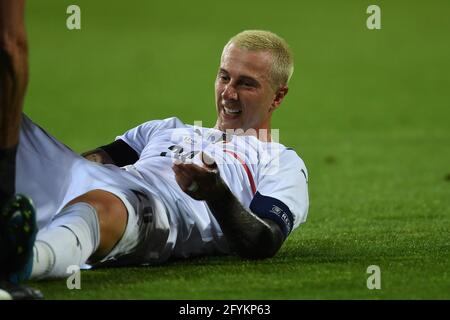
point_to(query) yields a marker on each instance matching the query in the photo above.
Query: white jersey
(267, 178)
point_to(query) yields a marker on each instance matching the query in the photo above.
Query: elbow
(257, 254)
(265, 246)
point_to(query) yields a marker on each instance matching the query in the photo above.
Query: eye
(248, 84)
(223, 77)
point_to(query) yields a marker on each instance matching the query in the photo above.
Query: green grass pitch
(368, 111)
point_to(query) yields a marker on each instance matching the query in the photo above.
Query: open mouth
(232, 112)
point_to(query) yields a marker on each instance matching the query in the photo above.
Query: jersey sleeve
(138, 137)
(282, 191)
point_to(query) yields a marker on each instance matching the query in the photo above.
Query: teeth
(231, 111)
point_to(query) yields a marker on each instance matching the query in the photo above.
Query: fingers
(208, 161)
(186, 174)
(182, 177)
(199, 182)
(190, 169)
(187, 182)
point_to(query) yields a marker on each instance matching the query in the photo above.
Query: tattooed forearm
(247, 234)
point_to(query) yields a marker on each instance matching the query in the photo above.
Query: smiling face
(245, 93)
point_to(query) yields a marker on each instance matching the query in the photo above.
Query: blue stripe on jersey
(271, 208)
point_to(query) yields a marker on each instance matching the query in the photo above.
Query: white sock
(43, 259)
(70, 239)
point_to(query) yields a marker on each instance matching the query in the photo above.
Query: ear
(281, 92)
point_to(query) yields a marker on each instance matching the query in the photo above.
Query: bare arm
(98, 155)
(247, 234)
(13, 69)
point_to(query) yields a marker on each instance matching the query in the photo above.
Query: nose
(229, 93)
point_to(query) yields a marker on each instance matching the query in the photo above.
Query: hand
(201, 183)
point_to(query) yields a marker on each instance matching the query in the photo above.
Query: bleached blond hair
(261, 40)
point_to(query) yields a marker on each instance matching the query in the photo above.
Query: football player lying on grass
(167, 189)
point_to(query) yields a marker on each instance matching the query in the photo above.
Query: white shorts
(145, 240)
(52, 175)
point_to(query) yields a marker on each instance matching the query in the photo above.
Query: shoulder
(172, 122)
(280, 159)
(291, 156)
(160, 124)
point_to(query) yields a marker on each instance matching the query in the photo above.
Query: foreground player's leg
(87, 228)
(17, 234)
(10, 291)
(13, 83)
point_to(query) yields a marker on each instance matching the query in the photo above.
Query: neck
(264, 135)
